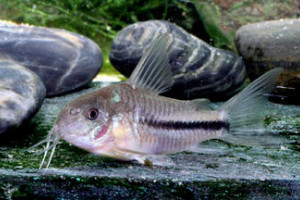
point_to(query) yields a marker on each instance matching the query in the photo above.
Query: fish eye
(92, 113)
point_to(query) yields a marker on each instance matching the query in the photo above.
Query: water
(215, 161)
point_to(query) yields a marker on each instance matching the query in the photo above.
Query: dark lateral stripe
(206, 125)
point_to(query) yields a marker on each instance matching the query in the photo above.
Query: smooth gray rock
(270, 44)
(65, 61)
(21, 95)
(199, 69)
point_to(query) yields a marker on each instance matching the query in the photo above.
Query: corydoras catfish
(130, 121)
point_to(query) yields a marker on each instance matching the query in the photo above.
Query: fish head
(86, 121)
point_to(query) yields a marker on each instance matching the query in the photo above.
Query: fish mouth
(88, 140)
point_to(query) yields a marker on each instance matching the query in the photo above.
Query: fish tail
(245, 111)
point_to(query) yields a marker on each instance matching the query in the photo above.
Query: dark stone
(11, 105)
(21, 95)
(75, 186)
(199, 69)
(64, 60)
(270, 44)
(5, 124)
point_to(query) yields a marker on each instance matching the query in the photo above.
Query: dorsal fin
(153, 72)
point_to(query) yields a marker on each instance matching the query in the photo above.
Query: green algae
(110, 188)
(222, 171)
(97, 20)
(282, 119)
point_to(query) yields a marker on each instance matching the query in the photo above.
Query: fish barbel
(130, 121)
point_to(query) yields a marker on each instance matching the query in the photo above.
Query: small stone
(21, 95)
(199, 69)
(65, 61)
(271, 44)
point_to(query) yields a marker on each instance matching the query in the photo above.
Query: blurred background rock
(237, 173)
(214, 21)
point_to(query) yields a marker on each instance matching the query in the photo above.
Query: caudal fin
(245, 111)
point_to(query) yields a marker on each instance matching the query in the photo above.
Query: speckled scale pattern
(21, 95)
(65, 61)
(199, 70)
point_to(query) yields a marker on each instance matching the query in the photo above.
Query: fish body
(138, 121)
(130, 120)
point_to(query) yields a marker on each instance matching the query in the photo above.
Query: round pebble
(199, 69)
(270, 44)
(65, 61)
(21, 95)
